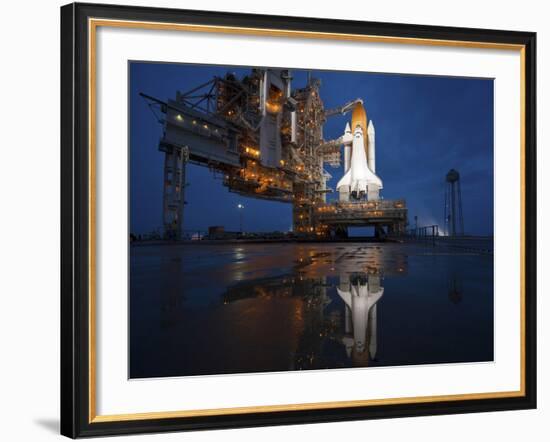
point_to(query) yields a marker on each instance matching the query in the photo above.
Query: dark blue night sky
(424, 127)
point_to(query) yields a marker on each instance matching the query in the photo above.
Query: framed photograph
(276, 220)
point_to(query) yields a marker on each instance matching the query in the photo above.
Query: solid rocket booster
(371, 158)
(347, 148)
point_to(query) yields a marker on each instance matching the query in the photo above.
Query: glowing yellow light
(179, 117)
(272, 107)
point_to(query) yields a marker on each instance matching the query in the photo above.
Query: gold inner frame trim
(93, 24)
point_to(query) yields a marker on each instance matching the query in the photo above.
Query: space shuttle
(360, 180)
(361, 297)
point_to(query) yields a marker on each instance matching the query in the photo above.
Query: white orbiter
(359, 180)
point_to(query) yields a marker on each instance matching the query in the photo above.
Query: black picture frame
(75, 221)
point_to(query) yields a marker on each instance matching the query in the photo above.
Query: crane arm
(344, 109)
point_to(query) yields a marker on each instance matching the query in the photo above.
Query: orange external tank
(359, 118)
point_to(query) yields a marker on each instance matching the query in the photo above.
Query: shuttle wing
(345, 180)
(346, 296)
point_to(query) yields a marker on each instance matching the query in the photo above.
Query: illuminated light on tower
(240, 207)
(453, 219)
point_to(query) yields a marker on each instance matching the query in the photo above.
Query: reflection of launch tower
(454, 222)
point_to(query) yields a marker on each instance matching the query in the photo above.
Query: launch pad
(388, 217)
(265, 140)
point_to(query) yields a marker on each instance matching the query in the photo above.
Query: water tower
(454, 221)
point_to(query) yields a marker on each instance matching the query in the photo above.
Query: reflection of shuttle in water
(362, 294)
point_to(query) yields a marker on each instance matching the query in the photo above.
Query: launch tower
(265, 140)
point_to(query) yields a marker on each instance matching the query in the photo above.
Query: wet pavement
(198, 309)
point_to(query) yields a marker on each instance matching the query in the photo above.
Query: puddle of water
(218, 309)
